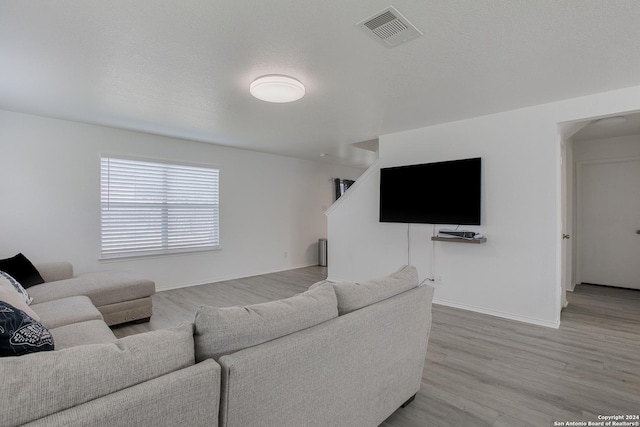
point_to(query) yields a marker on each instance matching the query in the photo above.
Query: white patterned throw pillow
(6, 277)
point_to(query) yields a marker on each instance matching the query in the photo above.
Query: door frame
(566, 220)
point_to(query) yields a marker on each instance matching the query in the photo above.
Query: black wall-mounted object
(432, 193)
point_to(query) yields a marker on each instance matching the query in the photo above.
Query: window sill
(135, 257)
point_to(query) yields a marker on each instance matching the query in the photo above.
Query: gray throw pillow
(352, 296)
(225, 330)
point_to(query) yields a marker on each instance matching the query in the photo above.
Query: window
(151, 208)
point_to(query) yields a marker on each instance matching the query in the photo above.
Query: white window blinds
(150, 208)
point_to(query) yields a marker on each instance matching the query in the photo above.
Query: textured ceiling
(183, 68)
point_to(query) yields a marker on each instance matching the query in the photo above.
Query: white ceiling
(183, 68)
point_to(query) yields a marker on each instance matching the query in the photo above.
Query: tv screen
(432, 193)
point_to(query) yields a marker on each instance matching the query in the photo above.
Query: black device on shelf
(463, 234)
(432, 193)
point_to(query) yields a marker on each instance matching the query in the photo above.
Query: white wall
(516, 274)
(49, 184)
(357, 241)
(607, 148)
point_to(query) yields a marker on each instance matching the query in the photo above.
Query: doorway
(608, 226)
(600, 175)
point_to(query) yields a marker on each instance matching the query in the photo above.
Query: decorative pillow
(225, 330)
(6, 278)
(21, 334)
(9, 295)
(352, 296)
(22, 270)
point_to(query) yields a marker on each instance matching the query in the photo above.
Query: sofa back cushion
(40, 384)
(53, 271)
(225, 330)
(352, 296)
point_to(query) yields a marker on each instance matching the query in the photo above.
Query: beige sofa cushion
(320, 283)
(221, 331)
(40, 384)
(66, 311)
(78, 334)
(352, 296)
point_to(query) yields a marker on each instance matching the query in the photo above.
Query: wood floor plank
(482, 370)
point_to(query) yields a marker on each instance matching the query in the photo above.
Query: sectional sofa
(339, 354)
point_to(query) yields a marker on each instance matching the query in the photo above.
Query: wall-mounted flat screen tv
(432, 193)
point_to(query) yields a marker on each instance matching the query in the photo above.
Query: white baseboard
(496, 313)
(501, 314)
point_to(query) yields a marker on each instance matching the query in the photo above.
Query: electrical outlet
(286, 254)
(439, 280)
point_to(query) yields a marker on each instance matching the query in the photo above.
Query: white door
(609, 223)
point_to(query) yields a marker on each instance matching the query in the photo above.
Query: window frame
(165, 207)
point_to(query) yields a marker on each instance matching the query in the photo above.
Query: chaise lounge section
(120, 296)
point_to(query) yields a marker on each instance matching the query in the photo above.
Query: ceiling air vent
(390, 27)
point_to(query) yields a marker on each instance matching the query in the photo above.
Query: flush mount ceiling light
(277, 88)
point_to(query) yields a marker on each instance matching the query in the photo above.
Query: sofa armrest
(189, 396)
(53, 271)
(41, 384)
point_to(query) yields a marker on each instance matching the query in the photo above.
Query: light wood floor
(482, 370)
